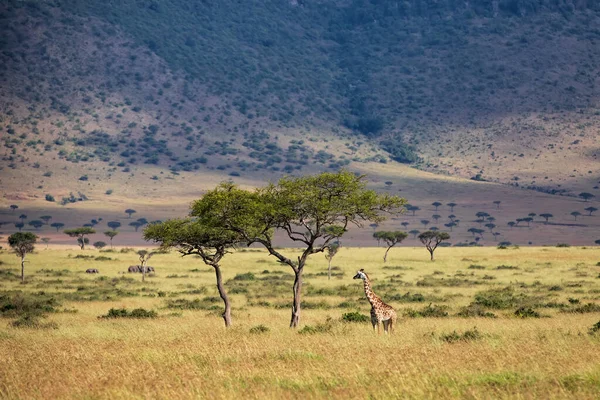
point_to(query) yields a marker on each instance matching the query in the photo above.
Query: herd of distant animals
(381, 313)
(131, 269)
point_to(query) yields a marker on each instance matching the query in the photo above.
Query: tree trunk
(297, 293)
(23, 269)
(223, 294)
(143, 272)
(385, 255)
(329, 270)
(431, 252)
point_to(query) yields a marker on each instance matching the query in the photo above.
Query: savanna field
(475, 323)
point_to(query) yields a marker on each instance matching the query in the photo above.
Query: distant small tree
(575, 214)
(405, 224)
(414, 232)
(36, 223)
(129, 212)
(391, 238)
(597, 242)
(532, 215)
(546, 216)
(490, 219)
(80, 234)
(490, 226)
(436, 217)
(19, 225)
(136, 225)
(434, 228)
(413, 209)
(481, 216)
(586, 196)
(497, 203)
(511, 224)
(528, 220)
(452, 217)
(331, 251)
(450, 225)
(99, 245)
(425, 222)
(436, 204)
(113, 225)
(451, 205)
(46, 240)
(591, 210)
(373, 226)
(13, 207)
(431, 240)
(22, 243)
(456, 222)
(496, 234)
(22, 217)
(111, 235)
(144, 256)
(57, 225)
(46, 218)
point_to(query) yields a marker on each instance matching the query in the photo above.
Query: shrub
(123, 313)
(563, 245)
(526, 312)
(430, 311)
(474, 310)
(587, 308)
(474, 266)
(248, 276)
(355, 317)
(499, 298)
(506, 267)
(595, 329)
(319, 328)
(259, 329)
(50, 198)
(32, 321)
(467, 336)
(18, 305)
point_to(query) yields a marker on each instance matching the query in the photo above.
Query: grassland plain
(476, 323)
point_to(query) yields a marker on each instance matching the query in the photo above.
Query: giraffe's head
(361, 275)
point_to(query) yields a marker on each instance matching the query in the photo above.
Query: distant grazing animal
(380, 312)
(134, 268)
(92, 271)
(138, 268)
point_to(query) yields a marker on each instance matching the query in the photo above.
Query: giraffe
(380, 312)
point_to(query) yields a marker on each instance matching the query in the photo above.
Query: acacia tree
(436, 204)
(332, 250)
(391, 238)
(113, 225)
(586, 196)
(414, 232)
(80, 234)
(575, 214)
(590, 210)
(497, 203)
(46, 218)
(46, 240)
(197, 237)
(546, 216)
(451, 205)
(22, 243)
(111, 235)
(431, 240)
(312, 211)
(57, 225)
(144, 256)
(130, 211)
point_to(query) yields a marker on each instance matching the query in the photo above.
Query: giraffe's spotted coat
(380, 312)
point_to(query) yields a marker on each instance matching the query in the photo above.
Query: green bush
(123, 313)
(527, 312)
(355, 317)
(467, 336)
(595, 329)
(259, 329)
(431, 311)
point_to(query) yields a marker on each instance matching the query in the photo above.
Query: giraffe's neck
(371, 296)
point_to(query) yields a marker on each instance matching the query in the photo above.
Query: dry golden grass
(189, 354)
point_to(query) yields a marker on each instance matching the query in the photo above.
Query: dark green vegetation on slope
(400, 74)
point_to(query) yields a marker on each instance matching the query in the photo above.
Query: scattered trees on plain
(80, 234)
(431, 240)
(22, 243)
(391, 238)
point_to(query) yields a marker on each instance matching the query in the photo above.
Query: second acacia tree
(193, 236)
(312, 211)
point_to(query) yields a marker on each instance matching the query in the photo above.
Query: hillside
(146, 104)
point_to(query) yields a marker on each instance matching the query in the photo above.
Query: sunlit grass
(187, 353)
